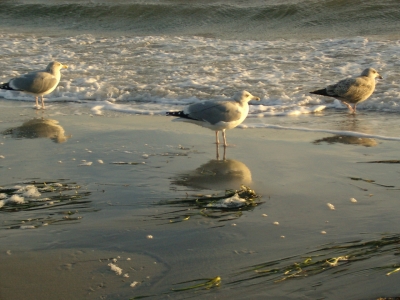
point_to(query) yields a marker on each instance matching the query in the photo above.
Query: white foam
(115, 268)
(16, 199)
(97, 110)
(27, 227)
(31, 191)
(331, 206)
(232, 202)
(148, 80)
(134, 284)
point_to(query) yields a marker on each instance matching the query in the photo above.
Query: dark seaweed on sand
(370, 181)
(390, 161)
(59, 201)
(210, 206)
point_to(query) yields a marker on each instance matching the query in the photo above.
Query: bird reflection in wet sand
(217, 174)
(39, 128)
(353, 125)
(348, 140)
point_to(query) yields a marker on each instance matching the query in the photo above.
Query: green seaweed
(333, 258)
(208, 284)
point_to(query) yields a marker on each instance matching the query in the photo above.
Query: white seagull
(217, 115)
(352, 90)
(38, 83)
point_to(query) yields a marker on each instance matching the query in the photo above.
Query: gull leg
(216, 138)
(224, 136)
(42, 102)
(37, 103)
(353, 111)
(217, 153)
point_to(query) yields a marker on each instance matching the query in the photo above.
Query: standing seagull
(38, 83)
(352, 90)
(217, 115)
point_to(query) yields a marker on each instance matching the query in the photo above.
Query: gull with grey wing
(217, 115)
(352, 90)
(38, 83)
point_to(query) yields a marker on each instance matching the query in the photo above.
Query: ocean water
(148, 57)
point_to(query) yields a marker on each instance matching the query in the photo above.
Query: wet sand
(139, 162)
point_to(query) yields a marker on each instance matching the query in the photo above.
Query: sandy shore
(121, 167)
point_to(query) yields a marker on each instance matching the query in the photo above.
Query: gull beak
(380, 77)
(256, 98)
(64, 66)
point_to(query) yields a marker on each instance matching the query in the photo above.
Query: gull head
(244, 96)
(55, 66)
(372, 73)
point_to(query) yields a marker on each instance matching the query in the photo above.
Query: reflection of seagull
(39, 128)
(215, 174)
(353, 125)
(38, 83)
(217, 115)
(348, 140)
(352, 90)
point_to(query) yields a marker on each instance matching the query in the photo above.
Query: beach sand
(62, 250)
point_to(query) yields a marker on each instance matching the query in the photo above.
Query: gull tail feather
(6, 86)
(322, 92)
(179, 114)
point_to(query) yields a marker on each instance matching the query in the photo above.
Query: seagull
(38, 83)
(352, 90)
(217, 115)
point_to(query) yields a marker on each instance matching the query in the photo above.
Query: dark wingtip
(179, 114)
(320, 92)
(5, 86)
(174, 113)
